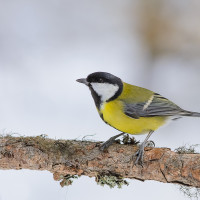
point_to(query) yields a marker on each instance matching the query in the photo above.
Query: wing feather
(159, 106)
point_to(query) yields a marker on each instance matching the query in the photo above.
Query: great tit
(130, 109)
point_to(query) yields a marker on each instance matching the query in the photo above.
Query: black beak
(83, 80)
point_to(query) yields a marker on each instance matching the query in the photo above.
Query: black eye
(101, 80)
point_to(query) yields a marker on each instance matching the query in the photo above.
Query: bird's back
(135, 94)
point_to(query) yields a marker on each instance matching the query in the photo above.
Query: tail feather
(190, 114)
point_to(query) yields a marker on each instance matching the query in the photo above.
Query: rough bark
(71, 157)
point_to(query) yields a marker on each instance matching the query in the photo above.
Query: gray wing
(155, 106)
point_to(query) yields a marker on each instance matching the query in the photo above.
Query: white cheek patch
(105, 90)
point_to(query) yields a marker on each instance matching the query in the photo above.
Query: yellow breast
(113, 114)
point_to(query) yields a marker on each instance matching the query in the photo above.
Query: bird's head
(103, 85)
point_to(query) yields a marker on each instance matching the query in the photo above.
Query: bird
(130, 109)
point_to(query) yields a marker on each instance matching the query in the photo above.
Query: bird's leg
(140, 152)
(106, 144)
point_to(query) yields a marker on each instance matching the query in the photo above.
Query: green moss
(187, 149)
(110, 180)
(67, 180)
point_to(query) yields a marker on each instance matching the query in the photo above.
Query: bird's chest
(111, 110)
(113, 114)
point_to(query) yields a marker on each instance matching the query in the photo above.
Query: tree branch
(71, 157)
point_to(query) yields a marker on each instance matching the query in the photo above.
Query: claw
(140, 152)
(106, 144)
(140, 155)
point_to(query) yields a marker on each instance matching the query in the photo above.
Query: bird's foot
(106, 144)
(109, 142)
(140, 152)
(139, 155)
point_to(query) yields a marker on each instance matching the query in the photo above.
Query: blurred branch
(70, 157)
(164, 29)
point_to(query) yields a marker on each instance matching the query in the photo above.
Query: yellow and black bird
(129, 108)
